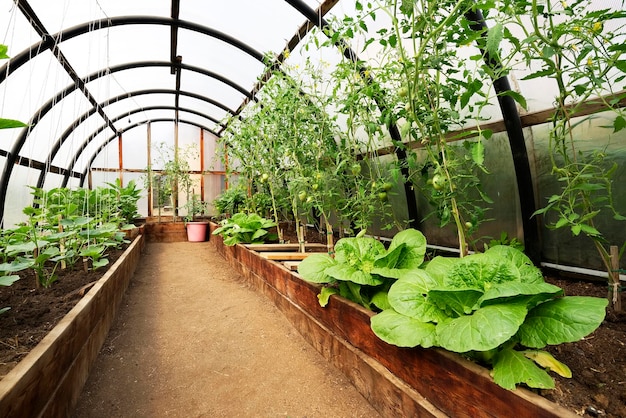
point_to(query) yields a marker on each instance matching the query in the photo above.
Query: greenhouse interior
(430, 193)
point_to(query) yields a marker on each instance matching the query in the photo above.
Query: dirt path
(192, 340)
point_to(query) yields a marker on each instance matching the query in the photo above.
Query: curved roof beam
(139, 93)
(141, 64)
(57, 146)
(95, 75)
(113, 137)
(13, 156)
(49, 41)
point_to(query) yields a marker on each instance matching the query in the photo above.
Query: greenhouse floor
(191, 340)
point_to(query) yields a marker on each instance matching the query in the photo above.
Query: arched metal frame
(510, 114)
(139, 93)
(94, 76)
(68, 173)
(135, 125)
(49, 42)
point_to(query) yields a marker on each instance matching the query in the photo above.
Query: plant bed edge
(417, 382)
(48, 381)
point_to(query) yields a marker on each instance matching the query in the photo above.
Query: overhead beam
(113, 137)
(174, 35)
(57, 146)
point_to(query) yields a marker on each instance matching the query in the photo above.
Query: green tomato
(403, 91)
(264, 177)
(302, 196)
(439, 182)
(468, 225)
(309, 199)
(315, 186)
(355, 169)
(387, 186)
(382, 196)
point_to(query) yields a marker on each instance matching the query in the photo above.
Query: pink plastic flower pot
(196, 231)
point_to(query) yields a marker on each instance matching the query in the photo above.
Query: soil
(160, 356)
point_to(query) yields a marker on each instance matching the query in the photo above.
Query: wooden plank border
(396, 381)
(49, 380)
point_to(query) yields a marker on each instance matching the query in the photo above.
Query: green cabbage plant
(245, 228)
(362, 269)
(493, 307)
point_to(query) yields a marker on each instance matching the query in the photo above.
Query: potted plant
(196, 229)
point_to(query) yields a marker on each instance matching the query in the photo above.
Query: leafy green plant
(194, 208)
(362, 269)
(505, 240)
(567, 43)
(127, 198)
(230, 201)
(8, 123)
(245, 229)
(493, 307)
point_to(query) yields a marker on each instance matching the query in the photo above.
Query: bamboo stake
(615, 290)
(301, 241)
(330, 243)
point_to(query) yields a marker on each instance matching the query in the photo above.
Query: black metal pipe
(517, 143)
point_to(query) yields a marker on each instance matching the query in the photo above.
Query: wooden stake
(615, 294)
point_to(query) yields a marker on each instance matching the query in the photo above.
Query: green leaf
(494, 37)
(522, 265)
(16, 265)
(381, 300)
(538, 74)
(478, 153)
(313, 267)
(511, 367)
(11, 123)
(345, 272)
(529, 294)
(325, 294)
(100, 263)
(484, 330)
(387, 262)
(258, 234)
(3, 52)
(21, 248)
(521, 100)
(408, 297)
(477, 271)
(356, 251)
(439, 267)
(562, 320)
(92, 251)
(619, 123)
(413, 244)
(459, 301)
(402, 331)
(8, 280)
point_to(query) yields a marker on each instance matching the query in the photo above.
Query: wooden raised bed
(396, 381)
(48, 381)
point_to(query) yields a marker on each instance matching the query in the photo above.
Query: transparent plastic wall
(561, 246)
